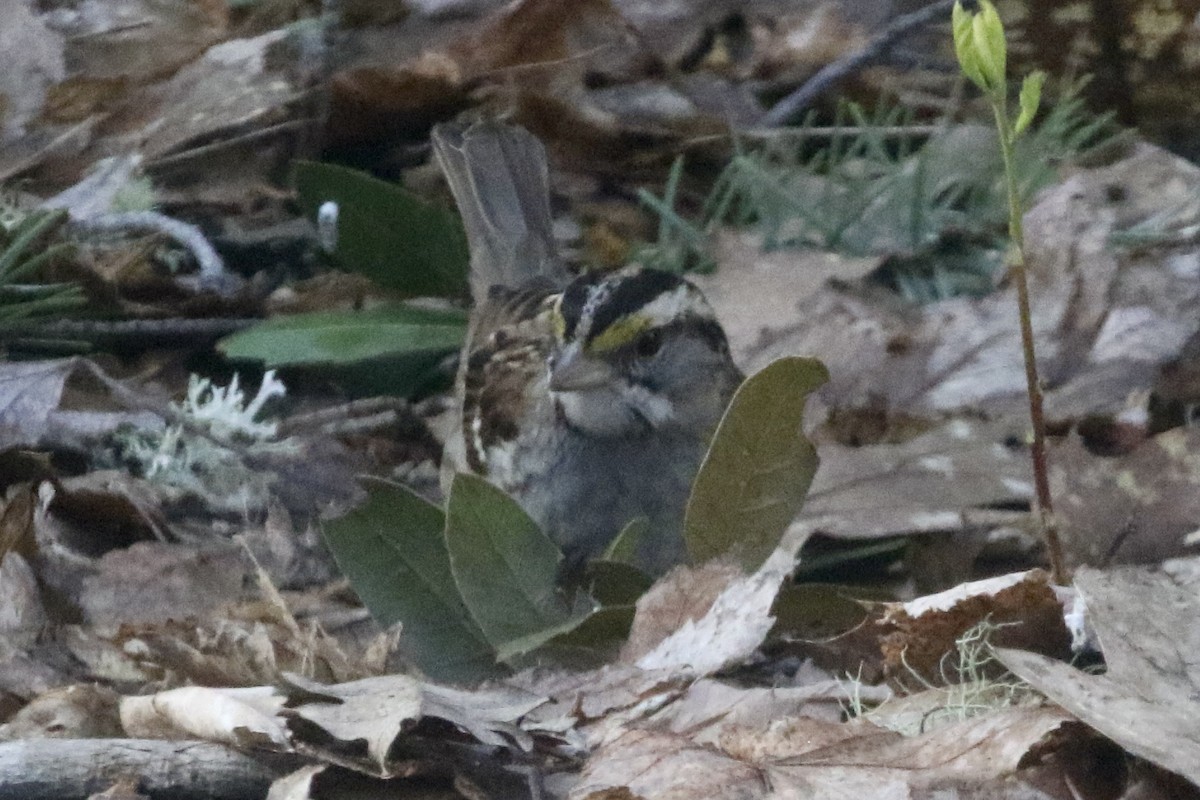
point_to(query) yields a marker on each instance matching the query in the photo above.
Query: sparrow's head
(637, 351)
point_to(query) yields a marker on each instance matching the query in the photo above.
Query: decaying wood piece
(59, 769)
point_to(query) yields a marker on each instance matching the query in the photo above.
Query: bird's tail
(499, 177)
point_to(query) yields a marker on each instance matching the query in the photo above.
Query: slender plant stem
(1016, 264)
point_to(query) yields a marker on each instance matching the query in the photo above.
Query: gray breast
(594, 487)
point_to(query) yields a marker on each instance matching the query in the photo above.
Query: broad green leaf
(505, 568)
(623, 549)
(758, 469)
(615, 583)
(594, 642)
(511, 651)
(817, 611)
(392, 550)
(412, 340)
(1031, 98)
(386, 232)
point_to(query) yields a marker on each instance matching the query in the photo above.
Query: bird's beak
(574, 371)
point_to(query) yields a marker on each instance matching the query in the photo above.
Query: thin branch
(212, 274)
(151, 330)
(833, 74)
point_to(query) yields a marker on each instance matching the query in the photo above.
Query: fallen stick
(63, 769)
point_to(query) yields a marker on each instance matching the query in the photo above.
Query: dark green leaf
(757, 472)
(387, 233)
(392, 550)
(623, 549)
(615, 583)
(505, 568)
(816, 611)
(594, 642)
(342, 337)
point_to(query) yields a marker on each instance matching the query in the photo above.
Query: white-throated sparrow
(590, 400)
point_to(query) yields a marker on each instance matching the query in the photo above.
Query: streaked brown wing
(504, 360)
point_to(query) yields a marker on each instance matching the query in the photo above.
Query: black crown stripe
(630, 294)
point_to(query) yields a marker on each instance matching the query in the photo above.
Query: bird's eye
(649, 343)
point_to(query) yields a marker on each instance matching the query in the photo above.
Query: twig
(832, 74)
(204, 151)
(822, 132)
(150, 329)
(357, 417)
(212, 275)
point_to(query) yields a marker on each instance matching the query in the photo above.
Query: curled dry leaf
(1147, 700)
(733, 627)
(377, 710)
(246, 717)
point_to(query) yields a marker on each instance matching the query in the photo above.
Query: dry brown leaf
(139, 40)
(815, 760)
(756, 294)
(950, 478)
(35, 60)
(16, 519)
(234, 84)
(243, 717)
(685, 593)
(601, 703)
(733, 626)
(156, 582)
(79, 711)
(665, 766)
(1146, 702)
(548, 44)
(29, 393)
(709, 709)
(373, 710)
(22, 615)
(243, 645)
(381, 103)
(1139, 507)
(489, 713)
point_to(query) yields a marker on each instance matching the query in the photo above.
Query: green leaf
(387, 233)
(594, 642)
(506, 569)
(758, 469)
(623, 549)
(413, 340)
(964, 49)
(392, 550)
(614, 583)
(987, 33)
(1031, 98)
